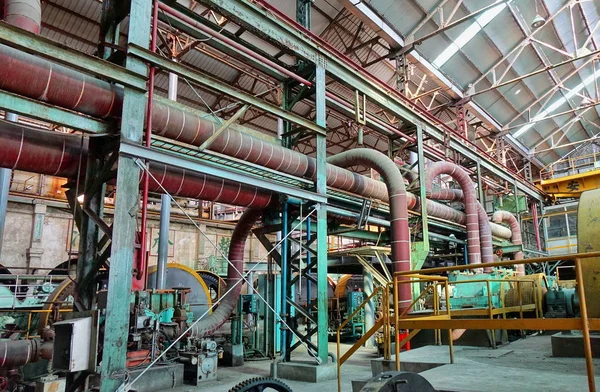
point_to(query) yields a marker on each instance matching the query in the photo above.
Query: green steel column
(303, 12)
(322, 299)
(422, 194)
(116, 328)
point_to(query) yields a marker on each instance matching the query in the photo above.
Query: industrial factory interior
(299, 195)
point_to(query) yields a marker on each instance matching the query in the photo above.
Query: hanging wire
(126, 386)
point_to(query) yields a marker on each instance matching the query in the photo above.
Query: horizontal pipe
(58, 154)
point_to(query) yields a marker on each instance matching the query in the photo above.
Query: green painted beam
(44, 112)
(321, 186)
(85, 63)
(196, 77)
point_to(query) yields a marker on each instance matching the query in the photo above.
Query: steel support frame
(201, 166)
(116, 327)
(271, 27)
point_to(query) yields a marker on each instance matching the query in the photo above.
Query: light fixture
(538, 20)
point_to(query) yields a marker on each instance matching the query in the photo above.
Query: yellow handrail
(341, 359)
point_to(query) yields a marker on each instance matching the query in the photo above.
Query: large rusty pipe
(25, 14)
(234, 275)
(37, 78)
(485, 231)
(508, 218)
(400, 235)
(57, 154)
(15, 353)
(456, 172)
(40, 79)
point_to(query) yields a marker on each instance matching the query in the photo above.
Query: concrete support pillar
(35, 250)
(370, 307)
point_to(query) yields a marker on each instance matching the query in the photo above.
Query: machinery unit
(341, 309)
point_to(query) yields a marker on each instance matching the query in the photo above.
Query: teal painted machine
(342, 310)
(476, 294)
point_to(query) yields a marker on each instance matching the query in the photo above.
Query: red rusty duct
(57, 154)
(37, 78)
(25, 14)
(400, 232)
(508, 218)
(485, 230)
(456, 172)
(240, 234)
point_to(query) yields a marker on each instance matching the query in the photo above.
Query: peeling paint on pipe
(508, 218)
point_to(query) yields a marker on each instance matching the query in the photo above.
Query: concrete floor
(524, 365)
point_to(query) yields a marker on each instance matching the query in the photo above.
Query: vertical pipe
(284, 280)
(165, 205)
(143, 266)
(5, 175)
(308, 282)
(27, 15)
(536, 225)
(370, 307)
(163, 242)
(321, 187)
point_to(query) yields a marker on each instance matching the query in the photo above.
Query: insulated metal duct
(508, 218)
(25, 14)
(15, 353)
(36, 78)
(400, 235)
(57, 154)
(456, 172)
(234, 275)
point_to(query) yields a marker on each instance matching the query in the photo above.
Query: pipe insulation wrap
(508, 218)
(236, 257)
(460, 175)
(485, 231)
(25, 14)
(400, 235)
(58, 154)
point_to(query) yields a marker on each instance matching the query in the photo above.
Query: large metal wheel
(181, 276)
(57, 300)
(260, 384)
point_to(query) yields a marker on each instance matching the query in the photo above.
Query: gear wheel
(259, 384)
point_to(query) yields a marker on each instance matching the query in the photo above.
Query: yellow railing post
(585, 328)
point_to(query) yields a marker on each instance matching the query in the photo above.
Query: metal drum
(179, 276)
